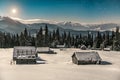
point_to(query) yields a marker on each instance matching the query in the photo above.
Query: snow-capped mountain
(14, 26)
(73, 26)
(9, 25)
(91, 27)
(36, 26)
(104, 27)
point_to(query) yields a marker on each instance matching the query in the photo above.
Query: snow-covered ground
(60, 67)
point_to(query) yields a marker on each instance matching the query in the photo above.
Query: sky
(82, 11)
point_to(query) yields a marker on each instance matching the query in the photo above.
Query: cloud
(31, 21)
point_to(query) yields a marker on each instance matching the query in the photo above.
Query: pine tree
(46, 30)
(50, 39)
(76, 41)
(57, 34)
(39, 38)
(26, 38)
(53, 36)
(98, 40)
(116, 42)
(25, 33)
(72, 41)
(89, 40)
(80, 41)
(112, 39)
(22, 39)
(64, 37)
(17, 40)
(33, 41)
(106, 40)
(69, 40)
(46, 36)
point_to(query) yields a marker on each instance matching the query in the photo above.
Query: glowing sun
(14, 11)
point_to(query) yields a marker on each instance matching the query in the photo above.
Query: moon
(14, 11)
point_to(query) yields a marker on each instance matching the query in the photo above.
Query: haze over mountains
(16, 26)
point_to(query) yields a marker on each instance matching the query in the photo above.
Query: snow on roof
(86, 56)
(24, 50)
(42, 49)
(60, 46)
(28, 48)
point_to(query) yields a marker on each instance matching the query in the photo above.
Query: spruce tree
(57, 34)
(98, 40)
(22, 39)
(39, 38)
(25, 33)
(69, 40)
(116, 42)
(46, 36)
(64, 37)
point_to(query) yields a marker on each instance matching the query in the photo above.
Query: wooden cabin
(61, 46)
(86, 58)
(106, 49)
(25, 55)
(83, 47)
(45, 50)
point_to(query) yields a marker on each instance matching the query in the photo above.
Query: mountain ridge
(8, 24)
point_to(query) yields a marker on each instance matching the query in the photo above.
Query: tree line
(45, 38)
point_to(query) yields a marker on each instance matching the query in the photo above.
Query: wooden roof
(28, 48)
(24, 50)
(42, 49)
(86, 56)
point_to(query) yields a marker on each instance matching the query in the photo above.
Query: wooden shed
(24, 55)
(83, 47)
(45, 50)
(61, 46)
(86, 58)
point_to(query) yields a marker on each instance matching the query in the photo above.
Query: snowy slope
(60, 67)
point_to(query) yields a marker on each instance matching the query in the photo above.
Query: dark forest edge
(44, 38)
